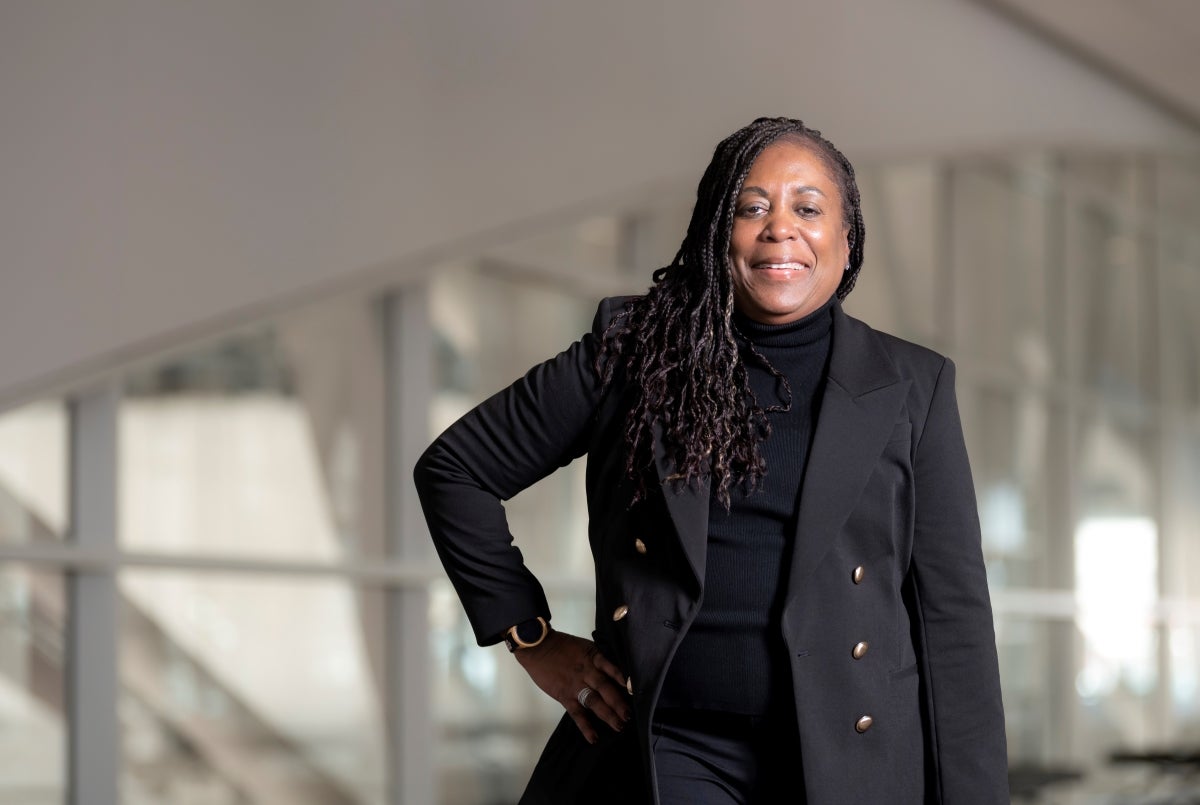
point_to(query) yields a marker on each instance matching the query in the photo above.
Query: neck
(804, 330)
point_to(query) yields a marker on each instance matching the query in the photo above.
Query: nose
(779, 226)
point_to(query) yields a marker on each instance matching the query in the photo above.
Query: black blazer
(887, 553)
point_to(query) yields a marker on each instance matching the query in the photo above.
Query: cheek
(834, 247)
(827, 237)
(737, 245)
(840, 250)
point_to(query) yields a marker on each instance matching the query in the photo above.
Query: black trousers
(712, 758)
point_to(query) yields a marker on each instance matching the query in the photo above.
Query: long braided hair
(676, 344)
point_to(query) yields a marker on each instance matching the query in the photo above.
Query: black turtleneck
(733, 659)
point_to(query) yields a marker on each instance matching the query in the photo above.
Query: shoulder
(865, 359)
(609, 308)
(910, 359)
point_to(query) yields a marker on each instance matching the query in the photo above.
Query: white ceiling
(154, 193)
(1151, 45)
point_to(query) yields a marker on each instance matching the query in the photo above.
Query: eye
(808, 210)
(751, 210)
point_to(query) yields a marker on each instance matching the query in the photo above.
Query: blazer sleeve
(510, 441)
(959, 658)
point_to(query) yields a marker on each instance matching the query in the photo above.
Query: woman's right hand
(562, 665)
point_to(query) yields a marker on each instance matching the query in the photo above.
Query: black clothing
(724, 759)
(886, 554)
(733, 658)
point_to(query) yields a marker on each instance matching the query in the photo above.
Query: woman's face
(789, 247)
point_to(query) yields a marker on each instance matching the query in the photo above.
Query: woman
(790, 592)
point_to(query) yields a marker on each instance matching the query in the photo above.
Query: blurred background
(255, 255)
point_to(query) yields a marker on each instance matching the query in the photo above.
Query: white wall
(165, 165)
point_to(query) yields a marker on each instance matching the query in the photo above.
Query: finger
(580, 717)
(600, 705)
(605, 666)
(608, 703)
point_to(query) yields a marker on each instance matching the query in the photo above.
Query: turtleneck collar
(805, 330)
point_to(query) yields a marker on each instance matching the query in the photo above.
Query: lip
(780, 265)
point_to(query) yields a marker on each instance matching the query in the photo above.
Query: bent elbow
(426, 471)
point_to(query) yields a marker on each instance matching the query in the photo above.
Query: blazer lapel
(863, 396)
(688, 507)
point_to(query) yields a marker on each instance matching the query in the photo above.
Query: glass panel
(1180, 326)
(1071, 743)
(898, 291)
(33, 729)
(1181, 548)
(1002, 273)
(1177, 191)
(1009, 436)
(1036, 660)
(1117, 585)
(1183, 660)
(1113, 334)
(240, 689)
(33, 472)
(260, 444)
(1105, 175)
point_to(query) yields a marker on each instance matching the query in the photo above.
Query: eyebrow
(802, 189)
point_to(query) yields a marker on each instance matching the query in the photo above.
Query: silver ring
(583, 695)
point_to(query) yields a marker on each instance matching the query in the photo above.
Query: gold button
(863, 724)
(629, 685)
(620, 612)
(639, 545)
(859, 574)
(859, 650)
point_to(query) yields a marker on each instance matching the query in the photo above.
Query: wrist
(526, 634)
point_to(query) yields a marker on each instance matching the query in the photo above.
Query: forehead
(787, 160)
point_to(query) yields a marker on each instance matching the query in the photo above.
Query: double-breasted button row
(859, 651)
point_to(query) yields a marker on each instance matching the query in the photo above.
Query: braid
(676, 346)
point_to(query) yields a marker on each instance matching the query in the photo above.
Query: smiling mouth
(784, 267)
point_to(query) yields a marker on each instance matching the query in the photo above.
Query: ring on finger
(583, 695)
